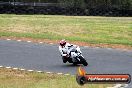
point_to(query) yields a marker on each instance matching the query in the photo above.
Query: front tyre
(83, 61)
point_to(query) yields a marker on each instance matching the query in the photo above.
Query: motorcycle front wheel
(83, 61)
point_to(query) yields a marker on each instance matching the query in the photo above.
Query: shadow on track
(69, 65)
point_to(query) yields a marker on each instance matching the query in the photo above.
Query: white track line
(28, 41)
(39, 71)
(1, 66)
(19, 40)
(15, 68)
(33, 70)
(66, 74)
(8, 67)
(22, 69)
(30, 70)
(48, 72)
(8, 39)
(119, 86)
(40, 42)
(59, 73)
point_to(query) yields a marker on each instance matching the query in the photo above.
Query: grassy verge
(21, 79)
(95, 30)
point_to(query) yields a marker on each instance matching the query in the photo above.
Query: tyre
(74, 63)
(70, 60)
(83, 61)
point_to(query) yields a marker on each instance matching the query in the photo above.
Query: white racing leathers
(66, 49)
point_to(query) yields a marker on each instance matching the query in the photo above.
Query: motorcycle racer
(64, 50)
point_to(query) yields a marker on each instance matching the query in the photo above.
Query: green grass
(107, 30)
(21, 79)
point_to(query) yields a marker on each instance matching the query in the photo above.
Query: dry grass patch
(21, 79)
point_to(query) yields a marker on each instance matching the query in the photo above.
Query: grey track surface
(46, 57)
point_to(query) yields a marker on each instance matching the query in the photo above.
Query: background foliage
(87, 7)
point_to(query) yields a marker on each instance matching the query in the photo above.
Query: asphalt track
(46, 57)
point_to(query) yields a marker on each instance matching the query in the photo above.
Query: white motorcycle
(75, 56)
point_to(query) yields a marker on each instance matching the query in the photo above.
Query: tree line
(122, 4)
(89, 6)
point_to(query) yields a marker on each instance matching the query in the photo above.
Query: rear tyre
(74, 63)
(70, 60)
